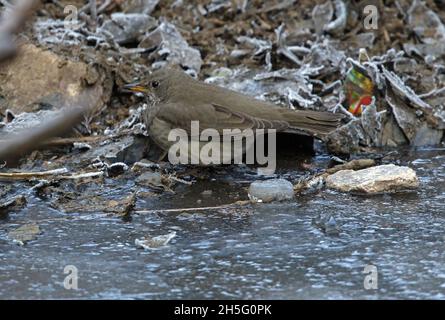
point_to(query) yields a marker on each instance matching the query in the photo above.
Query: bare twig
(60, 142)
(85, 8)
(356, 164)
(91, 8)
(104, 6)
(225, 206)
(93, 12)
(282, 47)
(432, 93)
(11, 22)
(139, 164)
(84, 175)
(56, 174)
(189, 183)
(31, 175)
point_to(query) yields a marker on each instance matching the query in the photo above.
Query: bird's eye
(155, 84)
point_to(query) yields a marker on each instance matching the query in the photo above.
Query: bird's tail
(315, 123)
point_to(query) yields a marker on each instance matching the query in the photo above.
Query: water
(270, 251)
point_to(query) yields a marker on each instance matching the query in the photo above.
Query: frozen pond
(270, 251)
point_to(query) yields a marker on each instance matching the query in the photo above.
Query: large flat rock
(40, 79)
(384, 178)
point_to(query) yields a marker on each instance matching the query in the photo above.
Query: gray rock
(327, 223)
(425, 23)
(426, 136)
(207, 193)
(149, 178)
(128, 27)
(413, 127)
(364, 40)
(408, 107)
(380, 129)
(148, 242)
(128, 149)
(16, 202)
(322, 14)
(371, 122)
(167, 41)
(347, 138)
(139, 6)
(24, 233)
(392, 135)
(28, 120)
(338, 25)
(271, 190)
(433, 50)
(384, 178)
(38, 79)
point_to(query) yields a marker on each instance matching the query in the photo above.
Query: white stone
(271, 190)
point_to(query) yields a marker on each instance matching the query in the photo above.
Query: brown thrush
(180, 99)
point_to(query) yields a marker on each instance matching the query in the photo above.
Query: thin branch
(56, 174)
(12, 21)
(225, 206)
(432, 93)
(31, 175)
(93, 12)
(189, 183)
(104, 6)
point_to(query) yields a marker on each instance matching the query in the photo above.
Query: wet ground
(270, 251)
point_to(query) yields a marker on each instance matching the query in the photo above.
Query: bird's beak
(135, 87)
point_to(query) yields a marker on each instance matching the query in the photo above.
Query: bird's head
(158, 84)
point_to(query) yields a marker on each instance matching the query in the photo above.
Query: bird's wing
(214, 116)
(227, 117)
